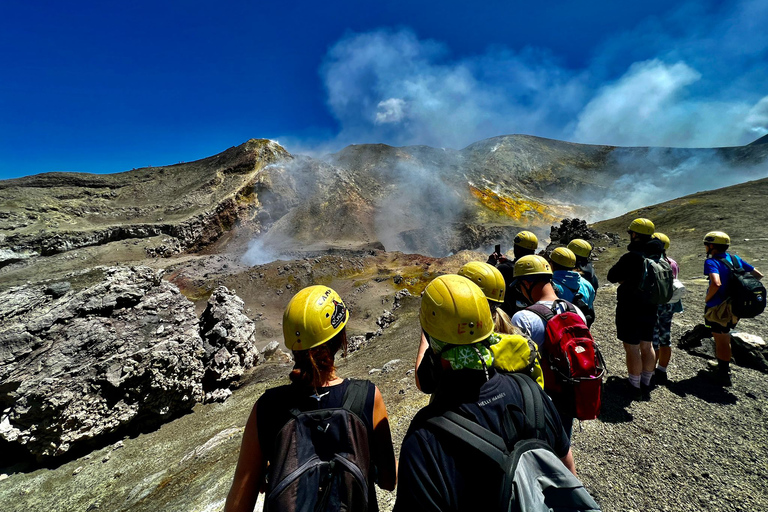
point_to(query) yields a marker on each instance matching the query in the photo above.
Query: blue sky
(106, 87)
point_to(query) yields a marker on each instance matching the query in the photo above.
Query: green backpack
(657, 282)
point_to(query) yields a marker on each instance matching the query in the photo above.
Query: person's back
(583, 250)
(437, 474)
(353, 414)
(636, 314)
(568, 283)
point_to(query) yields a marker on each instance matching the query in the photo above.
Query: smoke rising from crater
(655, 175)
(417, 207)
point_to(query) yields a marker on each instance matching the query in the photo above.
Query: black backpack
(746, 292)
(534, 478)
(323, 459)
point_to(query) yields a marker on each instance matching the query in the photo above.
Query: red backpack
(571, 361)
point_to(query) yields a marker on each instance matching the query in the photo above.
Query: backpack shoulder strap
(533, 404)
(355, 396)
(542, 311)
(730, 265)
(471, 434)
(568, 306)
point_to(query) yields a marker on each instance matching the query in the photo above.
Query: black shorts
(636, 324)
(719, 328)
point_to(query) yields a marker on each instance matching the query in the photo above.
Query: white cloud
(693, 79)
(389, 86)
(390, 111)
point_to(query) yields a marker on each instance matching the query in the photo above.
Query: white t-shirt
(533, 325)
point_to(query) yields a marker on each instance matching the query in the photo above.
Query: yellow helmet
(580, 247)
(664, 238)
(313, 316)
(717, 237)
(531, 265)
(455, 310)
(642, 227)
(563, 257)
(487, 277)
(526, 240)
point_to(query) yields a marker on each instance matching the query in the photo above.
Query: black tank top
(274, 406)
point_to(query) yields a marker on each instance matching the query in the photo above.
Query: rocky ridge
(82, 364)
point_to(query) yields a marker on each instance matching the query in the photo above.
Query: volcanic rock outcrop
(227, 335)
(125, 353)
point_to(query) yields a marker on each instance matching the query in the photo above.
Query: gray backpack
(534, 478)
(657, 283)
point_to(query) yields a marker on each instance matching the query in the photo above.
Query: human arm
(421, 484)
(428, 367)
(714, 286)
(384, 452)
(249, 473)
(758, 275)
(423, 346)
(615, 274)
(569, 462)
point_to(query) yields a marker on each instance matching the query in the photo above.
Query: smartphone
(497, 249)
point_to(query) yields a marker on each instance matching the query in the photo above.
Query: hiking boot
(645, 392)
(632, 392)
(720, 375)
(724, 379)
(660, 378)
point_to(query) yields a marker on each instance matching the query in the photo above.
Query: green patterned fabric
(466, 356)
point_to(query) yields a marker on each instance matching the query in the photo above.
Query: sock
(646, 379)
(662, 369)
(723, 366)
(634, 380)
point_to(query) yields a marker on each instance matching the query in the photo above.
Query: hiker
(533, 277)
(493, 284)
(718, 313)
(520, 352)
(524, 244)
(583, 250)
(314, 330)
(662, 338)
(434, 473)
(635, 314)
(570, 285)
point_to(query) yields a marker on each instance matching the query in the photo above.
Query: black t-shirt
(437, 477)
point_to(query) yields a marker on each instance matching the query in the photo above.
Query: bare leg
(648, 356)
(722, 345)
(664, 355)
(634, 360)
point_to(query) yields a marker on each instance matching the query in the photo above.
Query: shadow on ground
(704, 387)
(616, 399)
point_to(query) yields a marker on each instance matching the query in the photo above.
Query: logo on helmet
(339, 314)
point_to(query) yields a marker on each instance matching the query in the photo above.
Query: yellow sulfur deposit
(517, 207)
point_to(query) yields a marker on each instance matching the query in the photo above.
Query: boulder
(228, 338)
(750, 350)
(80, 363)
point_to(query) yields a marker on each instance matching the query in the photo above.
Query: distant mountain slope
(738, 210)
(413, 199)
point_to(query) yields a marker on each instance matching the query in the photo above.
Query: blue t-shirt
(714, 265)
